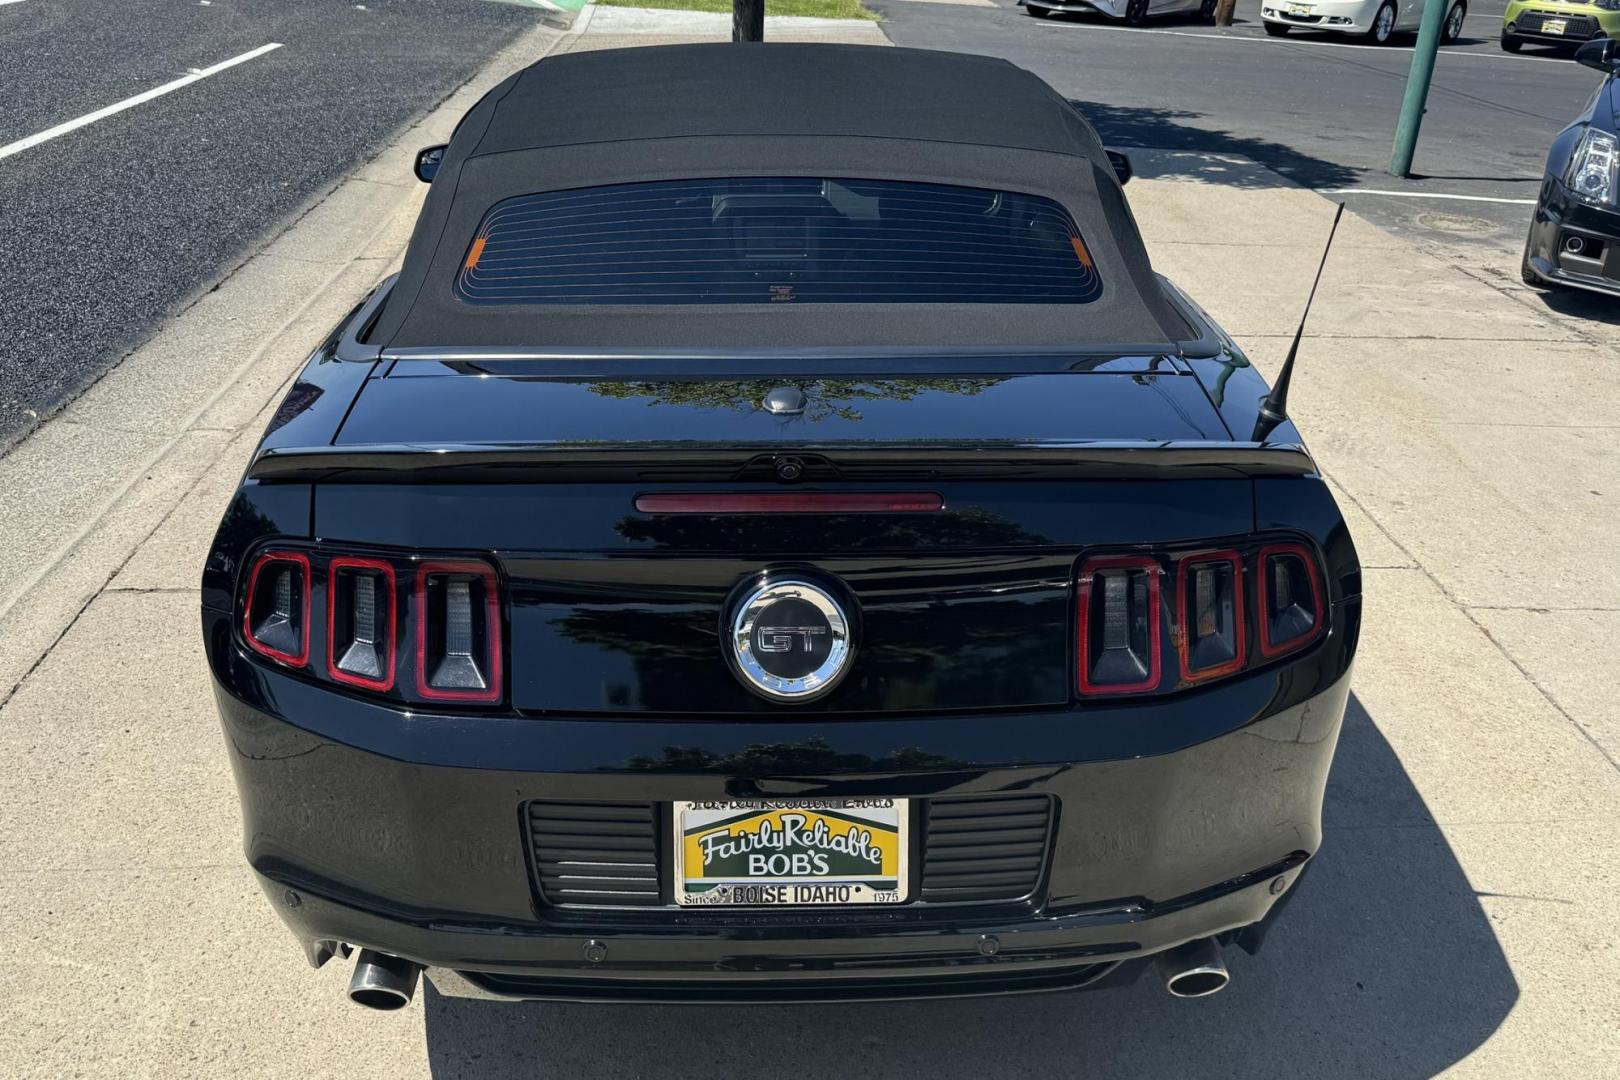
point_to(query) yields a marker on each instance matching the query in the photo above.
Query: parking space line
(1423, 195)
(1368, 49)
(129, 103)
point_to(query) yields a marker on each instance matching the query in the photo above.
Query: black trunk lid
(613, 610)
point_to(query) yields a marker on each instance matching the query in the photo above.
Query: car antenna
(1274, 406)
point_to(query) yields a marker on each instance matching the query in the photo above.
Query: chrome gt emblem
(790, 641)
(783, 638)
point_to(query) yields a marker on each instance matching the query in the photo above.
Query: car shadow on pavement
(1159, 22)
(1123, 127)
(1385, 966)
(1580, 304)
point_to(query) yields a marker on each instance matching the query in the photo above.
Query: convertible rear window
(778, 240)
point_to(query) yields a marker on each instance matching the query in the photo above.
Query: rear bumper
(1558, 218)
(1525, 22)
(969, 956)
(1105, 8)
(412, 844)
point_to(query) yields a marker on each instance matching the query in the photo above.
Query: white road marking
(196, 75)
(1371, 50)
(3, 3)
(1422, 195)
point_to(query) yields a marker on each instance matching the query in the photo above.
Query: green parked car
(1558, 22)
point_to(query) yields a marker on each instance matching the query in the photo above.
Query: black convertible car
(778, 539)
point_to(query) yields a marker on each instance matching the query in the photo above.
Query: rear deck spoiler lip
(719, 463)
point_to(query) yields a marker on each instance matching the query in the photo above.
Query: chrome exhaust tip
(383, 982)
(1193, 970)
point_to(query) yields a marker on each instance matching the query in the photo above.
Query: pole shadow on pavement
(1125, 126)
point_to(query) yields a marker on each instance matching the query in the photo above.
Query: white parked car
(1376, 20)
(1132, 12)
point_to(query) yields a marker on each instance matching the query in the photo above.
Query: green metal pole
(1417, 87)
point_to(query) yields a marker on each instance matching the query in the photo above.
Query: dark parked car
(777, 538)
(1575, 232)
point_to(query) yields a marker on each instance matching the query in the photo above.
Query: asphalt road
(111, 226)
(1319, 108)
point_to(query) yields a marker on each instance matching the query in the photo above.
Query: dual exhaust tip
(387, 983)
(383, 982)
(1193, 970)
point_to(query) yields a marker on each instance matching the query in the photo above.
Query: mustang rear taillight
(361, 622)
(1223, 610)
(275, 613)
(1291, 607)
(1210, 616)
(396, 625)
(458, 632)
(1119, 625)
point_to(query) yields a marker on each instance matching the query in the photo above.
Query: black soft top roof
(724, 110)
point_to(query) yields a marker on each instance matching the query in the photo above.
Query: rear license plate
(791, 852)
(1553, 26)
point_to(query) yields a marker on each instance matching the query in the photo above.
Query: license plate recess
(791, 852)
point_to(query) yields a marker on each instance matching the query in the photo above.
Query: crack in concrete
(19, 871)
(1540, 609)
(136, 590)
(57, 640)
(1461, 823)
(1524, 896)
(1497, 424)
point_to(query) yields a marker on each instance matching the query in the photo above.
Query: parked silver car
(1131, 12)
(1376, 20)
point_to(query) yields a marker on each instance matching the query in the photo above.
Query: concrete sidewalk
(1461, 917)
(625, 27)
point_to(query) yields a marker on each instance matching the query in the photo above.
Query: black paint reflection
(934, 633)
(968, 527)
(824, 398)
(299, 399)
(812, 756)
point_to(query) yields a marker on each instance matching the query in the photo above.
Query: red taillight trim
(342, 562)
(1272, 649)
(492, 611)
(1235, 664)
(263, 559)
(1088, 570)
(791, 502)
